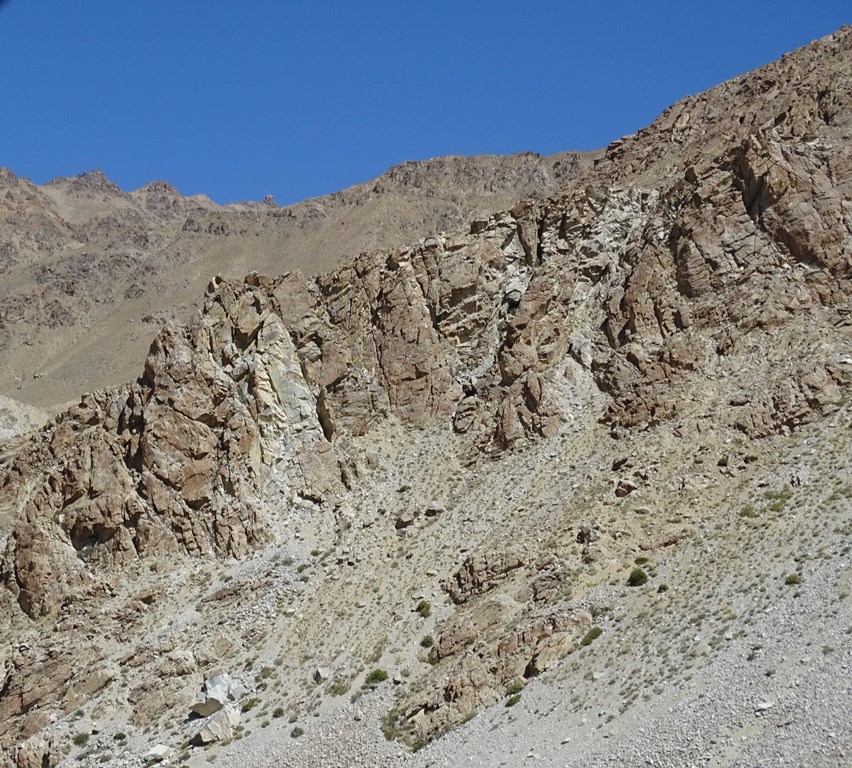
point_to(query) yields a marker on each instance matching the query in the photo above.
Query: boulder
(217, 727)
(216, 693)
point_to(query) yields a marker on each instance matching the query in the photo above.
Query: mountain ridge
(84, 290)
(447, 461)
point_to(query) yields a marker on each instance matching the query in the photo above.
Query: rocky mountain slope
(583, 459)
(89, 272)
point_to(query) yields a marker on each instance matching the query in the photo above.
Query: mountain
(89, 271)
(570, 484)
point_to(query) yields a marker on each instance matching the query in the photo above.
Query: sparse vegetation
(250, 704)
(338, 687)
(424, 608)
(516, 686)
(593, 634)
(637, 578)
(427, 641)
(375, 677)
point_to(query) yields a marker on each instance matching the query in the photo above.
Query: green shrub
(296, 732)
(427, 641)
(641, 560)
(793, 578)
(81, 739)
(375, 677)
(424, 608)
(512, 700)
(637, 578)
(593, 634)
(278, 712)
(516, 686)
(663, 588)
(250, 704)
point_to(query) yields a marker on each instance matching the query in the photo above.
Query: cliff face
(89, 272)
(699, 274)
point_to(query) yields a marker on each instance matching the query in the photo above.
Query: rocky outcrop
(649, 292)
(178, 462)
(83, 262)
(483, 673)
(480, 573)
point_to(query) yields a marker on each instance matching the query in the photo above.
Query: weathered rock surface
(697, 280)
(89, 271)
(216, 693)
(479, 573)
(480, 677)
(218, 727)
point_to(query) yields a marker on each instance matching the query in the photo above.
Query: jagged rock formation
(479, 573)
(483, 673)
(697, 278)
(90, 271)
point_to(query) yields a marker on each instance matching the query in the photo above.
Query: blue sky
(241, 100)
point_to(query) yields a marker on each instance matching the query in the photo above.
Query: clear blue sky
(297, 99)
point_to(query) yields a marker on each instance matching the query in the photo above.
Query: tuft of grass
(593, 634)
(296, 732)
(512, 700)
(427, 641)
(375, 677)
(793, 578)
(424, 608)
(81, 739)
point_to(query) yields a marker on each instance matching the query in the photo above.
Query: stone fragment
(405, 520)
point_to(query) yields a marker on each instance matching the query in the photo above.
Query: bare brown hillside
(569, 485)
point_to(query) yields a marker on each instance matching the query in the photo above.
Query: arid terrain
(563, 477)
(89, 272)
